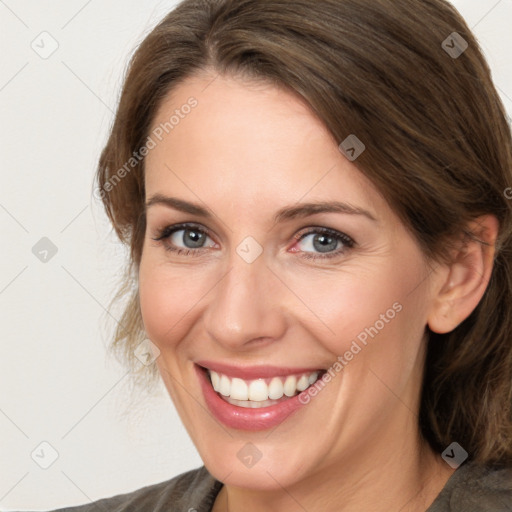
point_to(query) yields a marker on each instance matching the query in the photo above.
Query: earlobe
(465, 280)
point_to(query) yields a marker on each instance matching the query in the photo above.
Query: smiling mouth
(261, 392)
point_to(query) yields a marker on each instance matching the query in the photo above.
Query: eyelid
(168, 230)
(323, 229)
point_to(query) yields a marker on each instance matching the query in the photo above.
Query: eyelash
(166, 232)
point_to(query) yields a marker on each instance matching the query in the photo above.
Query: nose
(246, 306)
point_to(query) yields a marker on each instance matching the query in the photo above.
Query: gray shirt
(471, 488)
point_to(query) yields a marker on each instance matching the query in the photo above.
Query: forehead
(245, 141)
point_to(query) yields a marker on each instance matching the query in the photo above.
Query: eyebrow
(300, 210)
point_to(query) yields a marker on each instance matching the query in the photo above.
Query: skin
(244, 152)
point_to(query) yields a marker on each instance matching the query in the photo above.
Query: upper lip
(254, 372)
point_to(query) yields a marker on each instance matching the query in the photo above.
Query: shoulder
(193, 491)
(476, 488)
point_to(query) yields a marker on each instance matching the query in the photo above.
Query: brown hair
(438, 147)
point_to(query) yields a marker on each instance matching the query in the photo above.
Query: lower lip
(244, 418)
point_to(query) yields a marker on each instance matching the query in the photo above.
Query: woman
(315, 197)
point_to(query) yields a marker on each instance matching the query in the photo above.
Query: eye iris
(326, 243)
(196, 237)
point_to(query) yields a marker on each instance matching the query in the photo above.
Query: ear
(463, 282)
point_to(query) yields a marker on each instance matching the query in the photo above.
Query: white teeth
(215, 380)
(248, 404)
(224, 386)
(275, 389)
(312, 378)
(258, 390)
(303, 383)
(239, 390)
(290, 385)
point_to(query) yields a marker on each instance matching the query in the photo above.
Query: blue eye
(193, 238)
(327, 242)
(320, 243)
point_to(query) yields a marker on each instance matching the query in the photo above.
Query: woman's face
(268, 289)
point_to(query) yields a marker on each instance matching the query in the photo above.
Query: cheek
(173, 298)
(167, 300)
(373, 306)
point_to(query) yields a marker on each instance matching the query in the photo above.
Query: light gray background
(56, 383)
